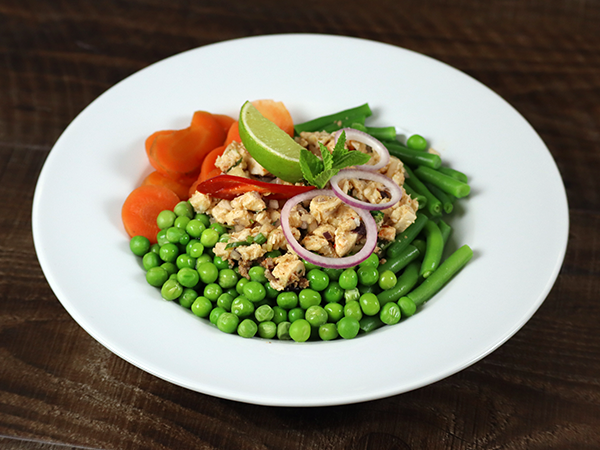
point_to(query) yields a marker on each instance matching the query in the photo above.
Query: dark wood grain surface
(60, 389)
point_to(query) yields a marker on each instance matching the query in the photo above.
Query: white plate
(516, 218)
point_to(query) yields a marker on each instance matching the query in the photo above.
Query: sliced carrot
(277, 113)
(141, 208)
(179, 155)
(150, 139)
(224, 120)
(233, 134)
(158, 179)
(208, 170)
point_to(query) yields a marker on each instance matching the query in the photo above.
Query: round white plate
(516, 218)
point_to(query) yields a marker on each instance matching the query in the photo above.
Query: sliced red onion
(367, 139)
(394, 190)
(323, 261)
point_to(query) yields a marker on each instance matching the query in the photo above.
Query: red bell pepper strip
(229, 187)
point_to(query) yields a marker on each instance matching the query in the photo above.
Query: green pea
(173, 276)
(212, 291)
(151, 260)
(155, 248)
(194, 248)
(368, 275)
(171, 290)
(242, 307)
(317, 279)
(218, 228)
(271, 291)
(165, 219)
(161, 238)
(184, 209)
(224, 238)
(169, 252)
(195, 228)
(283, 331)
(333, 274)
(417, 142)
(208, 272)
(184, 241)
(309, 266)
(264, 313)
(156, 276)
(333, 293)
(220, 263)
(185, 261)
(227, 278)
(214, 314)
(316, 316)
(328, 331)
(308, 298)
(188, 277)
(202, 307)
(267, 330)
(407, 306)
(335, 312)
(174, 234)
(352, 309)
(369, 304)
(170, 268)
(247, 328)
(295, 314)
(209, 237)
(390, 313)
(188, 297)
(203, 218)
(351, 295)
(181, 222)
(205, 257)
(300, 330)
(254, 291)
(387, 280)
(225, 300)
(257, 273)
(239, 287)
(139, 245)
(287, 300)
(228, 322)
(372, 261)
(348, 279)
(279, 315)
(348, 327)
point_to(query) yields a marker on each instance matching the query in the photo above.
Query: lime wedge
(269, 145)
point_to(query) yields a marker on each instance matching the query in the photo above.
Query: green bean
(319, 122)
(454, 174)
(434, 205)
(345, 123)
(440, 276)
(382, 133)
(413, 157)
(421, 199)
(406, 237)
(445, 229)
(370, 323)
(406, 281)
(405, 257)
(421, 245)
(444, 182)
(446, 199)
(433, 250)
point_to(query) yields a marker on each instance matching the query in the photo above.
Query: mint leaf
(323, 178)
(310, 165)
(340, 147)
(327, 157)
(353, 158)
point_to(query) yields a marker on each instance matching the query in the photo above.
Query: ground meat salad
(324, 225)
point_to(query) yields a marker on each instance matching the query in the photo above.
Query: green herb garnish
(318, 172)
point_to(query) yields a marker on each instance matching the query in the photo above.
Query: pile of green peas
(339, 303)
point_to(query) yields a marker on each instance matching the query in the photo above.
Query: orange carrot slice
(179, 155)
(277, 113)
(233, 134)
(158, 179)
(208, 170)
(141, 208)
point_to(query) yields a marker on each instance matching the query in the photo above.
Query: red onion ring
(323, 261)
(367, 139)
(390, 184)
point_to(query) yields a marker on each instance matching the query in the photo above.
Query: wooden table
(59, 388)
